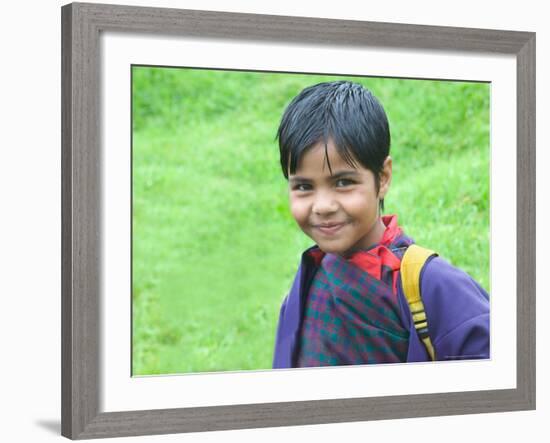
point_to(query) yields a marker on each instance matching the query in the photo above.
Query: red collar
(392, 229)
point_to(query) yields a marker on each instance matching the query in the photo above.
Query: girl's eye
(301, 187)
(342, 182)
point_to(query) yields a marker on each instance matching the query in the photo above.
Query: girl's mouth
(329, 228)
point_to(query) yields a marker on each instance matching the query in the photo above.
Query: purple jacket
(456, 306)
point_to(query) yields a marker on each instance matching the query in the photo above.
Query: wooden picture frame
(81, 228)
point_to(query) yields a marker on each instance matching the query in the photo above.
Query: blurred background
(214, 247)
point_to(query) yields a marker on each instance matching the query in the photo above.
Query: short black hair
(343, 111)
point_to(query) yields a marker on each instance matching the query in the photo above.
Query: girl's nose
(324, 203)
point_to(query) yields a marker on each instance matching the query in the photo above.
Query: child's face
(339, 211)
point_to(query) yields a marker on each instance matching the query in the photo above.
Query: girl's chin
(331, 249)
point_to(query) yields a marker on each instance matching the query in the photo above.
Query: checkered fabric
(351, 316)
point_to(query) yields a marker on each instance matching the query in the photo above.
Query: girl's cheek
(298, 211)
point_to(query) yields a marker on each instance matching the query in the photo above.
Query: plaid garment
(351, 314)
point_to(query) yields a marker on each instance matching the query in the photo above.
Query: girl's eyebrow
(341, 174)
(335, 176)
(298, 179)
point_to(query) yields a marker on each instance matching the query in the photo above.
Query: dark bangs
(342, 111)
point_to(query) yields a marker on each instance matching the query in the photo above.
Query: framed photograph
(179, 246)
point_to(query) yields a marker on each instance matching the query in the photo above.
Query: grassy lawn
(214, 245)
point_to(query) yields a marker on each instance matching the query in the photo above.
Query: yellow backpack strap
(411, 265)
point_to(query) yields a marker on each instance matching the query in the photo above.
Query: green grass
(214, 246)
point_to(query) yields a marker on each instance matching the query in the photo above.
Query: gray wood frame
(81, 234)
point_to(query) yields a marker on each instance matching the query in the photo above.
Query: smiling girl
(346, 305)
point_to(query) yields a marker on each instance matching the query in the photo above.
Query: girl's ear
(385, 177)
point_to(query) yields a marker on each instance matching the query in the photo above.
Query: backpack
(411, 265)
